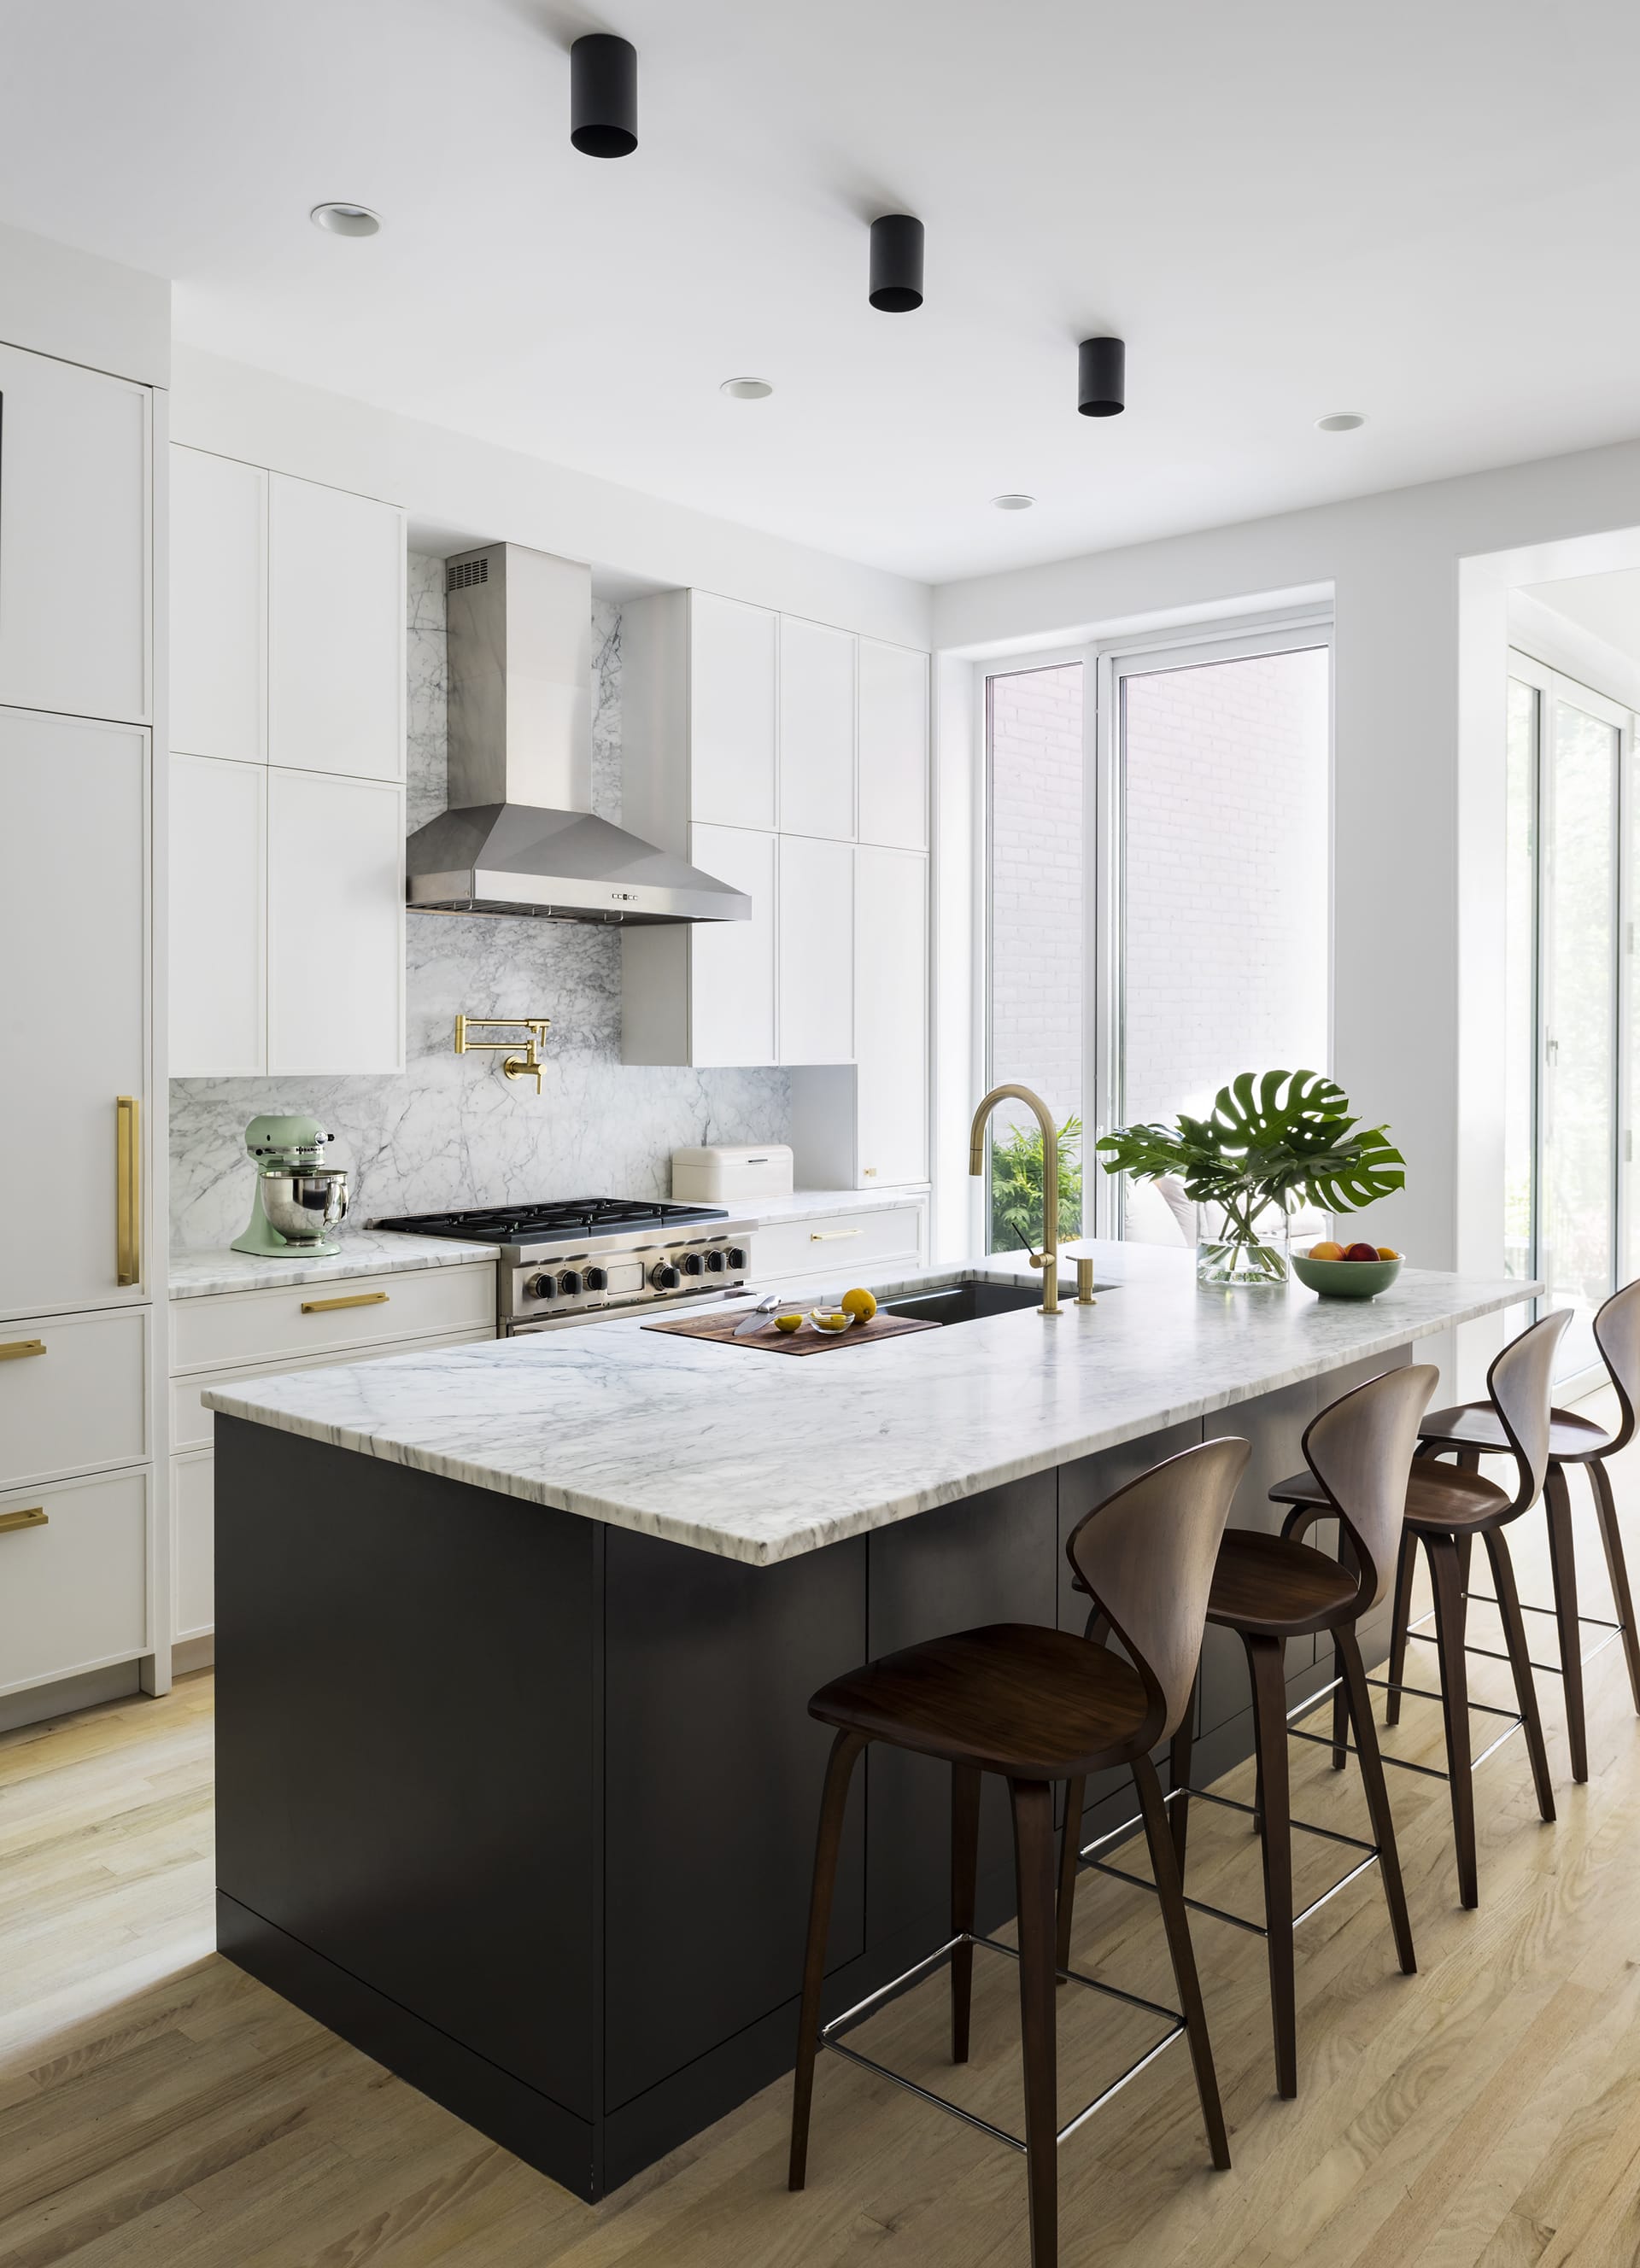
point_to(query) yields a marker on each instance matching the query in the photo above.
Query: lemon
(1388, 1252)
(830, 1319)
(788, 1323)
(859, 1303)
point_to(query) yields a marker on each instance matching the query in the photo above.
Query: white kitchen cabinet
(75, 539)
(732, 712)
(73, 1578)
(891, 1014)
(893, 746)
(815, 956)
(74, 953)
(335, 632)
(193, 1547)
(816, 758)
(731, 964)
(838, 1243)
(74, 1395)
(219, 918)
(335, 924)
(219, 607)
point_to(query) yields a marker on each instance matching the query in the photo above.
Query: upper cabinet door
(817, 730)
(73, 948)
(731, 977)
(815, 926)
(732, 706)
(891, 1014)
(219, 607)
(75, 554)
(219, 929)
(335, 632)
(893, 746)
(335, 924)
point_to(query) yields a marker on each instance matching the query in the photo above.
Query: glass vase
(1242, 1246)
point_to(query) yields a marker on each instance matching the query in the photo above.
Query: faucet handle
(1044, 1259)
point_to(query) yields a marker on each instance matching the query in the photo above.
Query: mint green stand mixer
(297, 1198)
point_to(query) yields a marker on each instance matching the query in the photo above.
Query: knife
(756, 1320)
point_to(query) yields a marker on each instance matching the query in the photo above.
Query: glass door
(1567, 749)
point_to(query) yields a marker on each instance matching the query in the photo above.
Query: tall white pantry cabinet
(82, 1548)
(789, 758)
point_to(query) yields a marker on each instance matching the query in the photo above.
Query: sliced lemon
(788, 1322)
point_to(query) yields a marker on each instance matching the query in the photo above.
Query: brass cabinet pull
(19, 1349)
(832, 1236)
(127, 1192)
(355, 1300)
(36, 1516)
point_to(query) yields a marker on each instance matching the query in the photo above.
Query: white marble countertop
(365, 1252)
(761, 1457)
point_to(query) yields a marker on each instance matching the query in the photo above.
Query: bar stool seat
(1573, 1441)
(1268, 1583)
(1443, 1498)
(1010, 1697)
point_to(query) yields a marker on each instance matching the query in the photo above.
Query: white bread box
(723, 1174)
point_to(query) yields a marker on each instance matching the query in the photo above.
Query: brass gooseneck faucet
(1048, 1258)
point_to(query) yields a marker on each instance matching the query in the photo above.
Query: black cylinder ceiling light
(895, 264)
(603, 95)
(1102, 378)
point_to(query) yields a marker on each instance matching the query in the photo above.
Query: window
(1159, 897)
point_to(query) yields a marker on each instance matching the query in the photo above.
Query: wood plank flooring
(158, 2110)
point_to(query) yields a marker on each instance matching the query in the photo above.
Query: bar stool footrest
(1404, 1764)
(830, 2035)
(1613, 1631)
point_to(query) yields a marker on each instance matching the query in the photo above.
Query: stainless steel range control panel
(617, 1272)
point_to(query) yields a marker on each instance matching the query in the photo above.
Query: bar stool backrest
(1360, 1448)
(1617, 1334)
(1147, 1553)
(1520, 1383)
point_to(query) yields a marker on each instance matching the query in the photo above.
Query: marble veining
(452, 1131)
(368, 1252)
(760, 1460)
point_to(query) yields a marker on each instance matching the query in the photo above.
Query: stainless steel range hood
(519, 836)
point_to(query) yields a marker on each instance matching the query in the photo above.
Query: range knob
(664, 1276)
(692, 1263)
(736, 1257)
(541, 1287)
(595, 1279)
(569, 1282)
(715, 1262)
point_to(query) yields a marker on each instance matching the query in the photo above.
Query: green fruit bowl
(1345, 1279)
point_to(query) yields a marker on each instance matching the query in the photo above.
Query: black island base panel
(523, 1806)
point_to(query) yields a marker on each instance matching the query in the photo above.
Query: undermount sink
(969, 1299)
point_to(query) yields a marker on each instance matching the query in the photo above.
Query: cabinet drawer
(73, 1578)
(191, 1423)
(850, 1241)
(331, 1316)
(80, 1403)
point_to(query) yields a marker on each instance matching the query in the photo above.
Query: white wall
(459, 492)
(83, 309)
(1404, 957)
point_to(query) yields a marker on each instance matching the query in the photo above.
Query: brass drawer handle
(128, 1191)
(19, 1349)
(356, 1300)
(36, 1516)
(832, 1236)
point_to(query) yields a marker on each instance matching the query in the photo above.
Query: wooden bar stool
(1037, 1705)
(1268, 1589)
(1447, 1507)
(1474, 1429)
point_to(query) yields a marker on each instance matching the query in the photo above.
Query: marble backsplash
(452, 1130)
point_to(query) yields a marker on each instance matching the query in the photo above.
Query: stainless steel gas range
(581, 1260)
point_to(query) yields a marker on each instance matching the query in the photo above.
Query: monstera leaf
(1284, 1138)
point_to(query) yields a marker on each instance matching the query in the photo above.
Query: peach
(1326, 1250)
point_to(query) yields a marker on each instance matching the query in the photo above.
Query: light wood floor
(158, 2110)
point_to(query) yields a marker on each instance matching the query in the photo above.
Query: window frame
(1106, 664)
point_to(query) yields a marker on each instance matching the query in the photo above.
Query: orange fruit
(1326, 1250)
(1388, 1252)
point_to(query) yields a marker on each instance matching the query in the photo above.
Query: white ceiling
(1426, 212)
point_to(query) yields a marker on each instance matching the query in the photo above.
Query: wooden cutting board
(806, 1340)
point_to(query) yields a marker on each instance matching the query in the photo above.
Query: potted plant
(1271, 1143)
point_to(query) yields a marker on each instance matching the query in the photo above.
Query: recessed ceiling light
(1341, 421)
(345, 220)
(746, 389)
(1014, 501)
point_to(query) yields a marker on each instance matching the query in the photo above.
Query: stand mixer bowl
(303, 1204)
